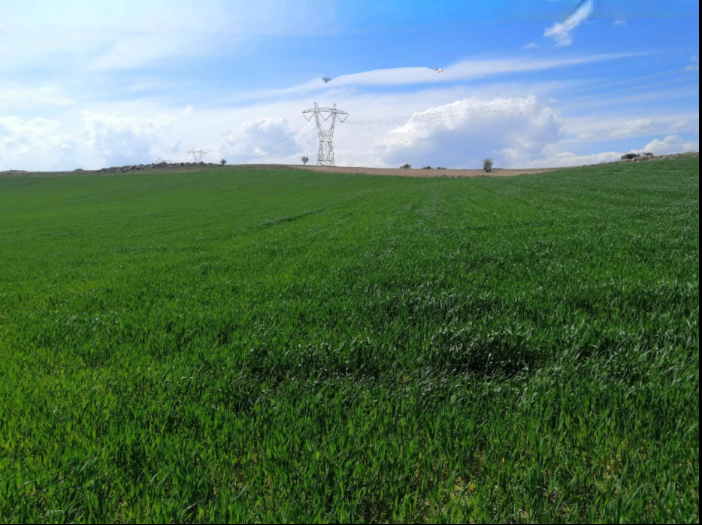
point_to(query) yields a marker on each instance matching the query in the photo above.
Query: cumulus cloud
(117, 139)
(516, 135)
(562, 32)
(671, 144)
(453, 136)
(553, 156)
(265, 140)
(103, 140)
(37, 144)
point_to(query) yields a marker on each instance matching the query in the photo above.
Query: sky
(528, 83)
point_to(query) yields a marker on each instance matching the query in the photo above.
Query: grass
(251, 345)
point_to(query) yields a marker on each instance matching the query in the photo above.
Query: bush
(631, 156)
(487, 165)
(427, 168)
(406, 167)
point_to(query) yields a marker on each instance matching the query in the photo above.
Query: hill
(267, 345)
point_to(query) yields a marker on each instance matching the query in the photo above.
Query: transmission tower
(198, 155)
(325, 157)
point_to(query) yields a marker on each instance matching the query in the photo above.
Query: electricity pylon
(198, 155)
(325, 157)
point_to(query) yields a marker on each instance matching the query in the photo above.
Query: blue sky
(90, 84)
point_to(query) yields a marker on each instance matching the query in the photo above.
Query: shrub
(427, 168)
(487, 165)
(406, 167)
(631, 156)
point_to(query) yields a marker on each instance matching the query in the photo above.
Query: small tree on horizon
(487, 165)
(223, 162)
(305, 160)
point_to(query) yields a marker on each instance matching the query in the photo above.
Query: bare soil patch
(400, 172)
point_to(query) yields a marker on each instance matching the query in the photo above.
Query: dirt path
(423, 173)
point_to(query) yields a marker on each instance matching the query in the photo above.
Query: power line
(502, 104)
(471, 117)
(588, 96)
(647, 77)
(437, 116)
(632, 96)
(639, 87)
(434, 116)
(291, 136)
(310, 136)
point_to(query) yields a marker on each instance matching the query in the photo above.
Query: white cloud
(141, 51)
(115, 139)
(634, 128)
(685, 126)
(171, 17)
(597, 128)
(70, 55)
(103, 140)
(588, 137)
(621, 23)
(47, 53)
(671, 144)
(449, 136)
(265, 140)
(531, 45)
(562, 31)
(26, 98)
(37, 144)
(466, 70)
(553, 156)
(146, 130)
(109, 138)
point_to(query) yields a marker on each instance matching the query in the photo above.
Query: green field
(277, 345)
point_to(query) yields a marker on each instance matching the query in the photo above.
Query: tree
(305, 160)
(487, 165)
(223, 162)
(407, 167)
